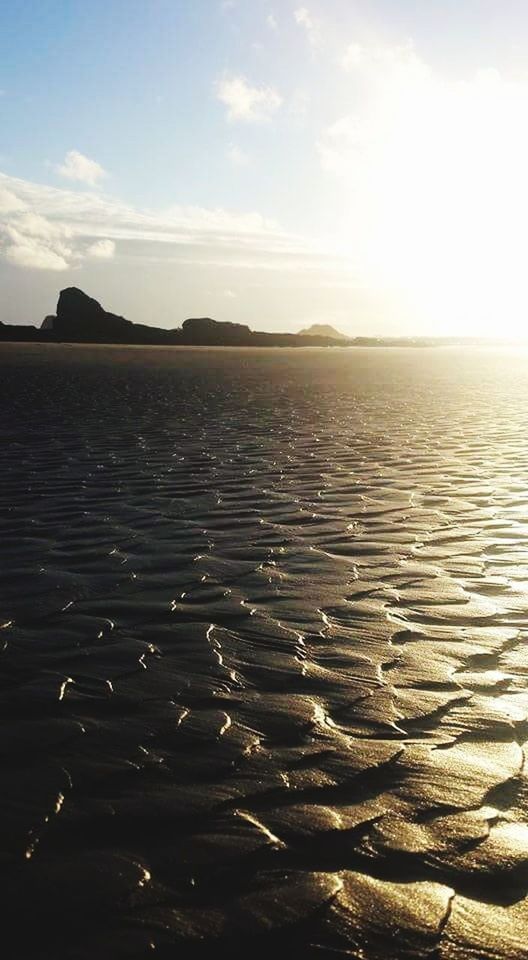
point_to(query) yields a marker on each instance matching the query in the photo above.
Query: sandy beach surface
(264, 675)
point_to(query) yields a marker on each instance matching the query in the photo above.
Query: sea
(263, 675)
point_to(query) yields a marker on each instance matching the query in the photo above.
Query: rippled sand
(264, 675)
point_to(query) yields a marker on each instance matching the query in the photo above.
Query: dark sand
(264, 684)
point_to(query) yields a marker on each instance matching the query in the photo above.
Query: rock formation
(203, 330)
(322, 330)
(80, 317)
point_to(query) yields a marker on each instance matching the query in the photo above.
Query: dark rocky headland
(81, 319)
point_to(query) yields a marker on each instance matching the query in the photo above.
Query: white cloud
(381, 65)
(35, 256)
(29, 240)
(9, 202)
(76, 166)
(230, 294)
(33, 224)
(245, 102)
(271, 21)
(101, 249)
(305, 20)
(237, 156)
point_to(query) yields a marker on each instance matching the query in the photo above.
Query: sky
(361, 163)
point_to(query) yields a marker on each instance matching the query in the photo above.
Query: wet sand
(264, 681)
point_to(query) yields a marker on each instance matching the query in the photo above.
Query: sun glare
(434, 175)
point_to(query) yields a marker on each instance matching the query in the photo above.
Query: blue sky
(275, 163)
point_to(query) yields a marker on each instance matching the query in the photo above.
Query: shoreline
(441, 343)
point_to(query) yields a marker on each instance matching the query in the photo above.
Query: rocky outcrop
(80, 317)
(203, 330)
(322, 330)
(17, 332)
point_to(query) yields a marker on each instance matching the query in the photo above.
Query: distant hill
(322, 330)
(81, 319)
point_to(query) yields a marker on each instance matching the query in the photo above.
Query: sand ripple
(264, 682)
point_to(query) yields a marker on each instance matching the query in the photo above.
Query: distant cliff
(322, 330)
(81, 319)
(214, 332)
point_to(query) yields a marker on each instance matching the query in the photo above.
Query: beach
(264, 679)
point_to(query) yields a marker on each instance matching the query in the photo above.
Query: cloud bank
(47, 228)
